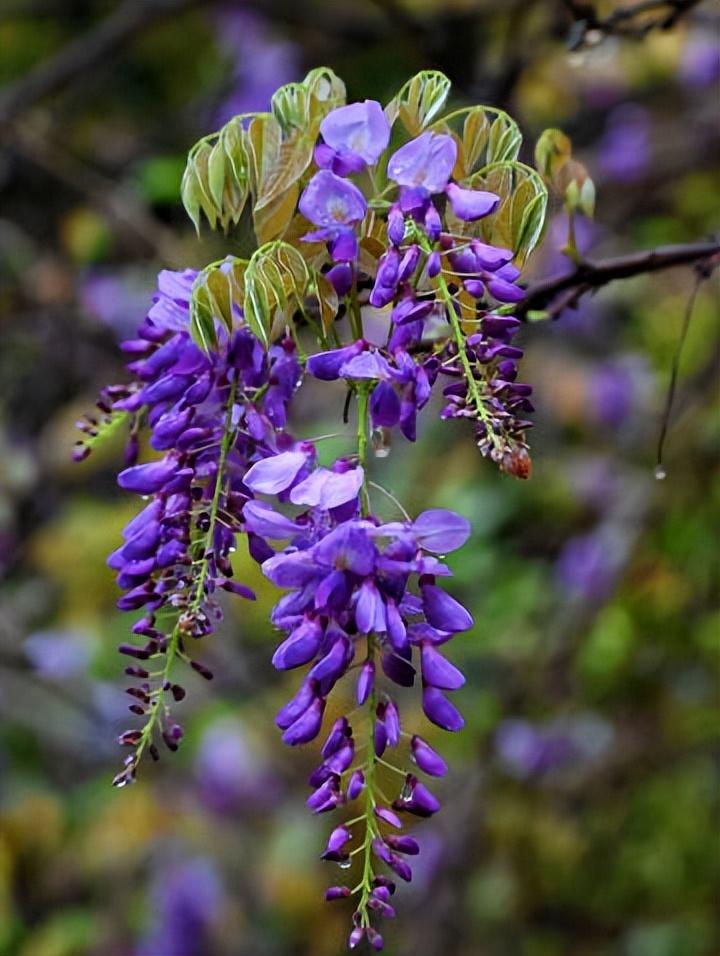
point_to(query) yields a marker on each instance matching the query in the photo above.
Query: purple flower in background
(617, 389)
(530, 750)
(336, 205)
(700, 63)
(624, 152)
(231, 776)
(261, 61)
(354, 136)
(116, 299)
(587, 567)
(58, 655)
(186, 900)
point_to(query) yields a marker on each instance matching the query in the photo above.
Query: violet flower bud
(366, 680)
(427, 758)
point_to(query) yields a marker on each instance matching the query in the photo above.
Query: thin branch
(84, 53)
(565, 290)
(633, 21)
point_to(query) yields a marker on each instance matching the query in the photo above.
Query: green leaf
(504, 140)
(276, 278)
(301, 105)
(216, 294)
(263, 161)
(216, 174)
(488, 135)
(519, 220)
(552, 151)
(419, 101)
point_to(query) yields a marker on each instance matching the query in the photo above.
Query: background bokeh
(581, 810)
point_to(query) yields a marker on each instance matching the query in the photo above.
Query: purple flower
(231, 777)
(587, 567)
(425, 163)
(624, 152)
(336, 205)
(276, 473)
(260, 61)
(355, 136)
(471, 204)
(58, 655)
(186, 901)
(328, 489)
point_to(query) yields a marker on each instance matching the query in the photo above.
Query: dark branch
(83, 53)
(560, 292)
(633, 21)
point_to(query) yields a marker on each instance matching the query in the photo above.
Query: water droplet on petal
(345, 864)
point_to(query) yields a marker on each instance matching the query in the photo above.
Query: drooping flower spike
(214, 369)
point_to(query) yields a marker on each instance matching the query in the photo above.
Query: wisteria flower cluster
(387, 213)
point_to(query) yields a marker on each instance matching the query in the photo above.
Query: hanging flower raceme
(363, 597)
(345, 226)
(211, 416)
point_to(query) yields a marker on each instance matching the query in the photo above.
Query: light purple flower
(426, 162)
(276, 473)
(336, 205)
(328, 489)
(471, 204)
(331, 201)
(356, 131)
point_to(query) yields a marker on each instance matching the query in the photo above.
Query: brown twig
(84, 53)
(560, 292)
(628, 21)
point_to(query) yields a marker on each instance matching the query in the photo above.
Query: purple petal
(328, 489)
(347, 548)
(444, 612)
(329, 200)
(365, 682)
(297, 706)
(359, 127)
(491, 257)
(426, 161)
(437, 671)
(307, 726)
(427, 758)
(275, 474)
(300, 647)
(384, 406)
(261, 519)
(147, 479)
(471, 204)
(326, 365)
(366, 365)
(440, 711)
(504, 291)
(441, 531)
(344, 245)
(370, 609)
(341, 277)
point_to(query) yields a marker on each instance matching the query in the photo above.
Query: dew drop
(345, 864)
(660, 473)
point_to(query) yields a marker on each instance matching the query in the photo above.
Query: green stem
(363, 399)
(355, 315)
(173, 647)
(371, 830)
(472, 382)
